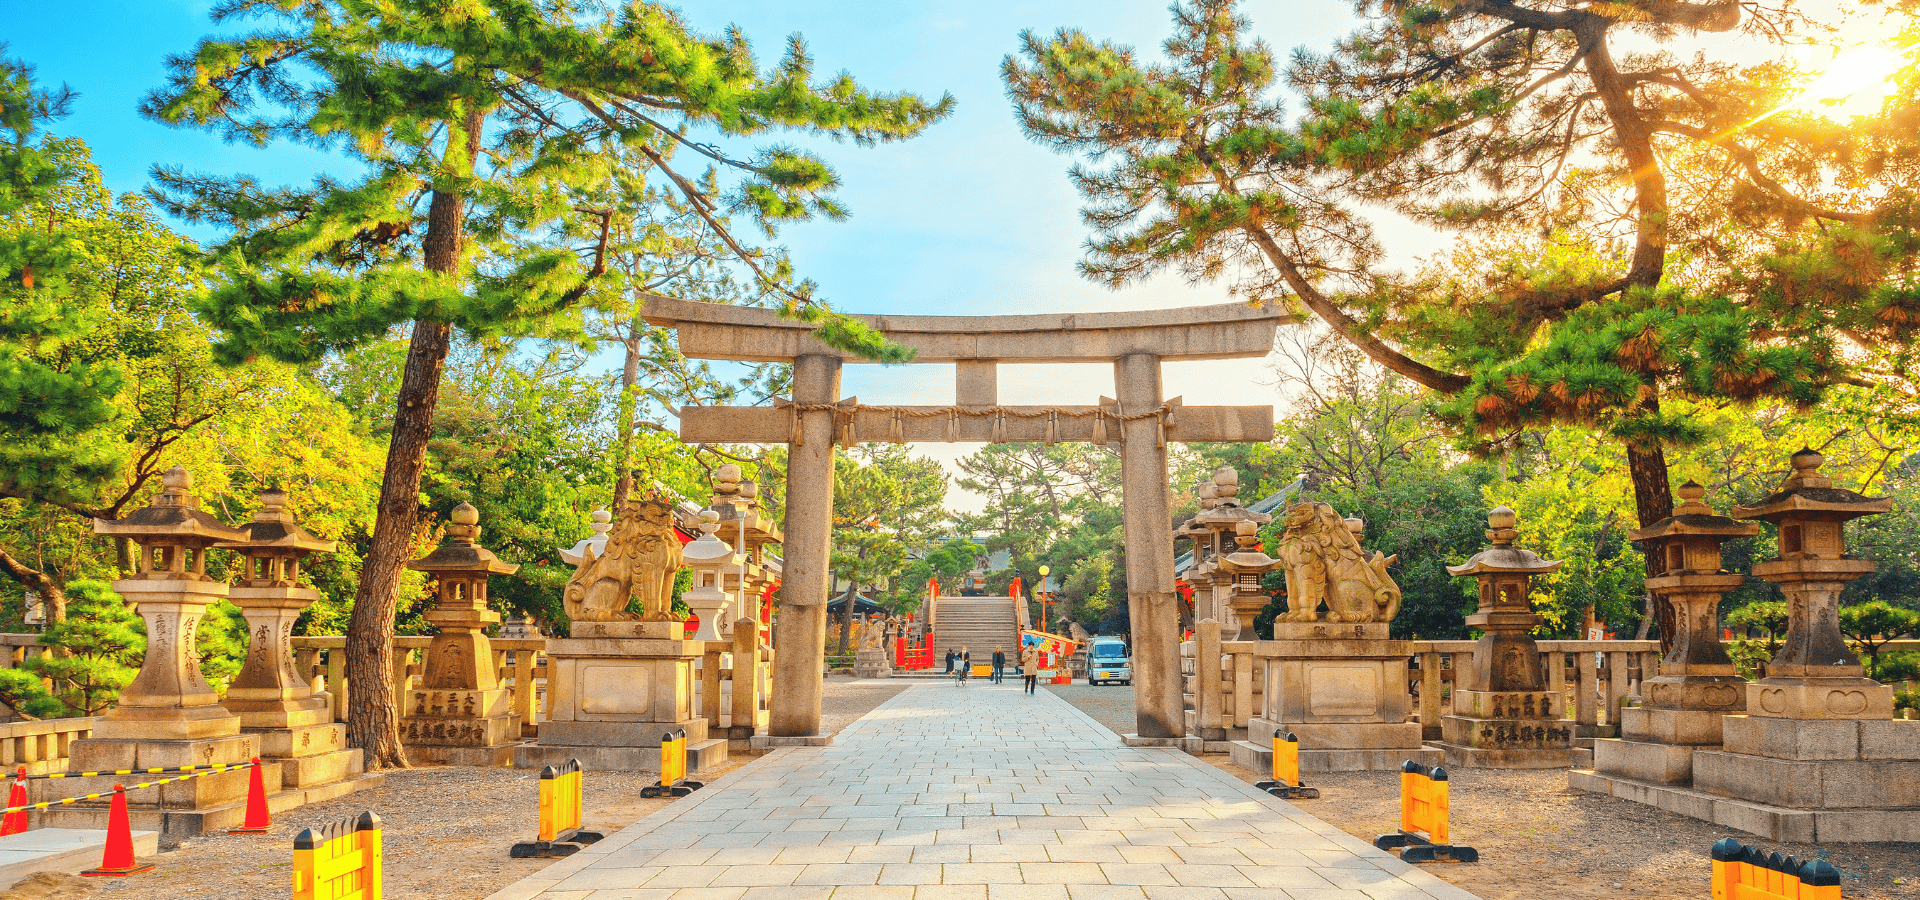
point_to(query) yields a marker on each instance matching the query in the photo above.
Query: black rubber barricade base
(1287, 791)
(679, 788)
(567, 843)
(1416, 849)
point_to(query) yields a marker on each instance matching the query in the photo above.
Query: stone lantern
(1503, 714)
(711, 561)
(1224, 589)
(1696, 673)
(272, 697)
(746, 527)
(1244, 568)
(1697, 685)
(170, 589)
(1811, 569)
(460, 715)
(1816, 756)
(169, 715)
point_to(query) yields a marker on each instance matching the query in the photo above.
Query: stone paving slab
(979, 793)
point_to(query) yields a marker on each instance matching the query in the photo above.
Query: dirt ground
(1539, 838)
(445, 831)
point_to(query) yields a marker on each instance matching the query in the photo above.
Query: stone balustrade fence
(20, 648)
(519, 664)
(1233, 691)
(41, 745)
(1595, 675)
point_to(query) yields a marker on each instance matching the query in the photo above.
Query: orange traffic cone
(16, 822)
(118, 859)
(259, 818)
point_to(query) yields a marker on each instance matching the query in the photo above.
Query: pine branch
(1750, 162)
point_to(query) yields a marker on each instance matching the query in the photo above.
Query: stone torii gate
(816, 418)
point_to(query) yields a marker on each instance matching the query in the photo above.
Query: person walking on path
(1030, 666)
(965, 663)
(999, 662)
(949, 662)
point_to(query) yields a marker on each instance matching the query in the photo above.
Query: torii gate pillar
(801, 633)
(1159, 711)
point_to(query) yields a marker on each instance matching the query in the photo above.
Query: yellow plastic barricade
(1741, 872)
(561, 809)
(1286, 770)
(338, 861)
(1423, 818)
(673, 768)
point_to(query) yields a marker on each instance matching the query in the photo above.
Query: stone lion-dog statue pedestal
(1334, 678)
(623, 679)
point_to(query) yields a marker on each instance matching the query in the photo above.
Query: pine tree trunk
(373, 712)
(623, 453)
(37, 581)
(1652, 501)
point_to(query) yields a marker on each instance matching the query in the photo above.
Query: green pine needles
(516, 108)
(56, 405)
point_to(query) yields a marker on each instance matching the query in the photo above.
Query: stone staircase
(978, 624)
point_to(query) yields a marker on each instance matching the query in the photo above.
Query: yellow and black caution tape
(190, 772)
(159, 770)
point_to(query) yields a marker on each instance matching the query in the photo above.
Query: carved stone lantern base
(1341, 689)
(1684, 709)
(614, 688)
(1506, 730)
(186, 808)
(460, 727)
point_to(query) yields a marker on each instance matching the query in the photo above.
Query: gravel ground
(445, 831)
(848, 698)
(1539, 838)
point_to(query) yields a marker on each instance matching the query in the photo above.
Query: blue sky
(971, 218)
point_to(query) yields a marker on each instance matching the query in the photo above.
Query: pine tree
(101, 367)
(52, 416)
(1632, 226)
(99, 646)
(476, 124)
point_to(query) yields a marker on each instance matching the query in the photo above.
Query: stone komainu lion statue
(874, 635)
(641, 559)
(1325, 564)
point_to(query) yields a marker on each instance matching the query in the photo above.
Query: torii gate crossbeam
(1141, 421)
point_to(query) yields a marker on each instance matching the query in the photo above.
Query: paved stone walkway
(980, 793)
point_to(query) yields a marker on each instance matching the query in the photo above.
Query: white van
(1107, 661)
